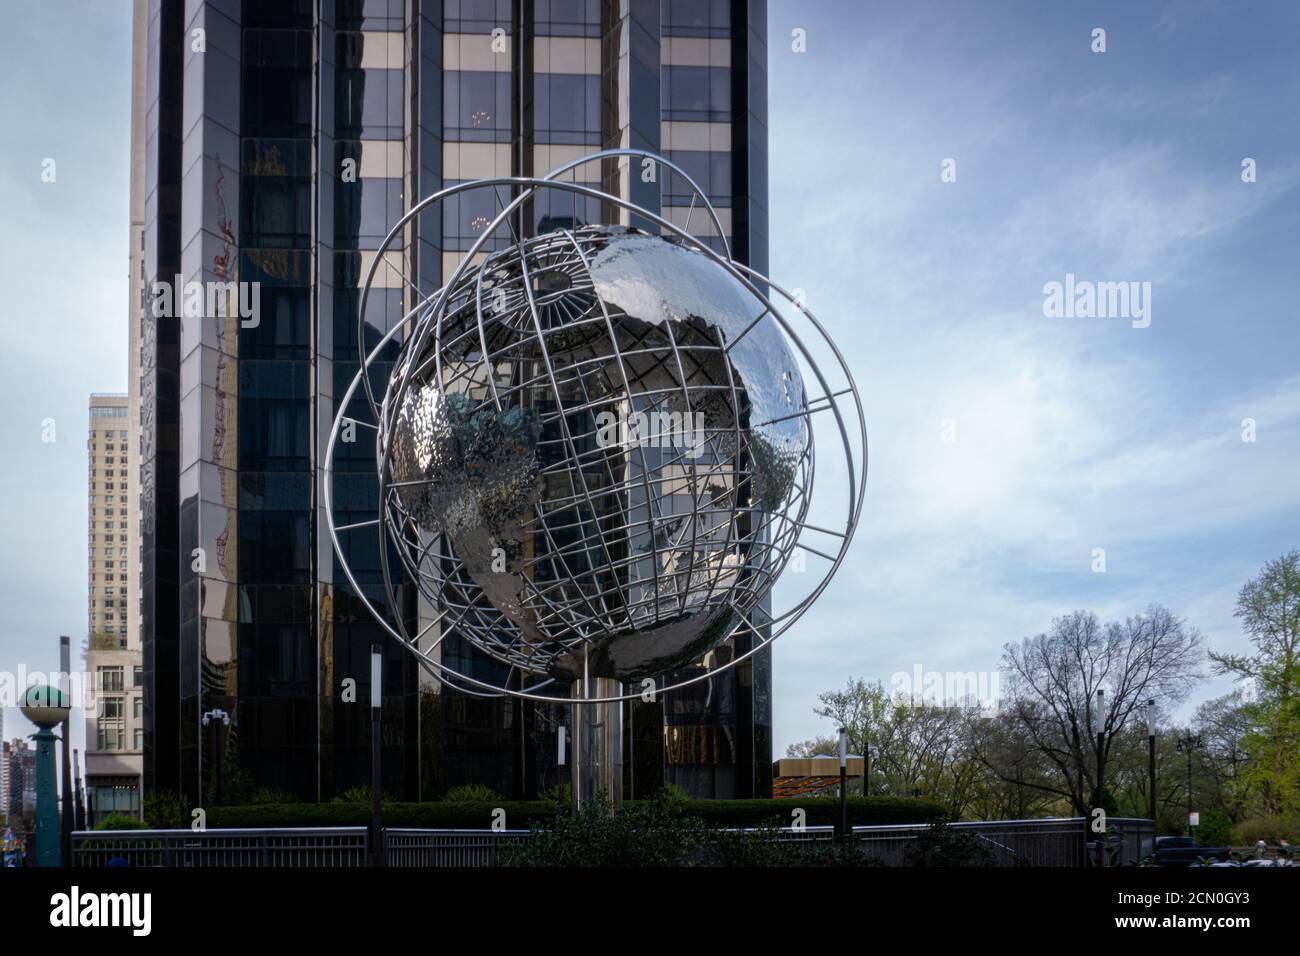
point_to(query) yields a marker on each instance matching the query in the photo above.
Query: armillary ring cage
(594, 444)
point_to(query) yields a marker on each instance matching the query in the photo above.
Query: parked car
(1184, 851)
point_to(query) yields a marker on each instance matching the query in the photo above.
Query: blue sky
(1072, 434)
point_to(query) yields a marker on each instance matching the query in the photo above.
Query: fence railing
(413, 847)
(1058, 842)
(289, 846)
(1049, 843)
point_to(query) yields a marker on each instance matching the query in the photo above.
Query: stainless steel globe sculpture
(595, 450)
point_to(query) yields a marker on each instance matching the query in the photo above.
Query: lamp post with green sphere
(46, 707)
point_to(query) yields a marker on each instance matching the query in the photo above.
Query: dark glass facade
(160, 403)
(282, 156)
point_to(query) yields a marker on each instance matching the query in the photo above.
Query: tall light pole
(1101, 745)
(218, 718)
(78, 810)
(1101, 774)
(844, 792)
(376, 704)
(1151, 756)
(65, 687)
(1186, 744)
(866, 766)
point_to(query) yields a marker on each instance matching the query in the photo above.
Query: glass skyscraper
(282, 140)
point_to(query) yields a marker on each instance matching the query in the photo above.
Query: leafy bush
(1267, 828)
(652, 834)
(560, 793)
(471, 793)
(674, 793)
(1215, 828)
(166, 810)
(120, 821)
(942, 845)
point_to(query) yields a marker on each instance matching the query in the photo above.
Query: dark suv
(1183, 851)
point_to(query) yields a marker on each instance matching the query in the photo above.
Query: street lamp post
(376, 704)
(844, 794)
(65, 686)
(1151, 756)
(78, 812)
(1104, 845)
(218, 718)
(1186, 744)
(47, 707)
(866, 767)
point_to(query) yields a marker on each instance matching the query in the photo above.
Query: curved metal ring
(742, 273)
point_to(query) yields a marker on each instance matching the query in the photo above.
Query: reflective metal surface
(605, 436)
(597, 754)
(596, 454)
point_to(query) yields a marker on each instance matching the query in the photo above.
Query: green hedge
(819, 811)
(522, 814)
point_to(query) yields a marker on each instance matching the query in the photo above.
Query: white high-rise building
(114, 744)
(114, 730)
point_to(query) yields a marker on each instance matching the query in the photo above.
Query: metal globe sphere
(597, 453)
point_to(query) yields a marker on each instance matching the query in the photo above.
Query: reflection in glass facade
(282, 156)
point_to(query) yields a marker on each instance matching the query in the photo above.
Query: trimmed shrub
(471, 793)
(819, 812)
(662, 832)
(472, 816)
(354, 795)
(524, 814)
(120, 821)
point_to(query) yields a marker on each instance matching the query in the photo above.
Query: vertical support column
(630, 102)
(376, 776)
(597, 757)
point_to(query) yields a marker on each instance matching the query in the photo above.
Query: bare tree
(918, 748)
(1053, 679)
(1017, 783)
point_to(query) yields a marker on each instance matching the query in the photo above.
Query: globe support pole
(48, 836)
(597, 742)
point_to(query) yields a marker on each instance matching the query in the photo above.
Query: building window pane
(476, 106)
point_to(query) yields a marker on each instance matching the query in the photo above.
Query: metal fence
(1051, 843)
(1040, 843)
(289, 846)
(412, 847)
(416, 847)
